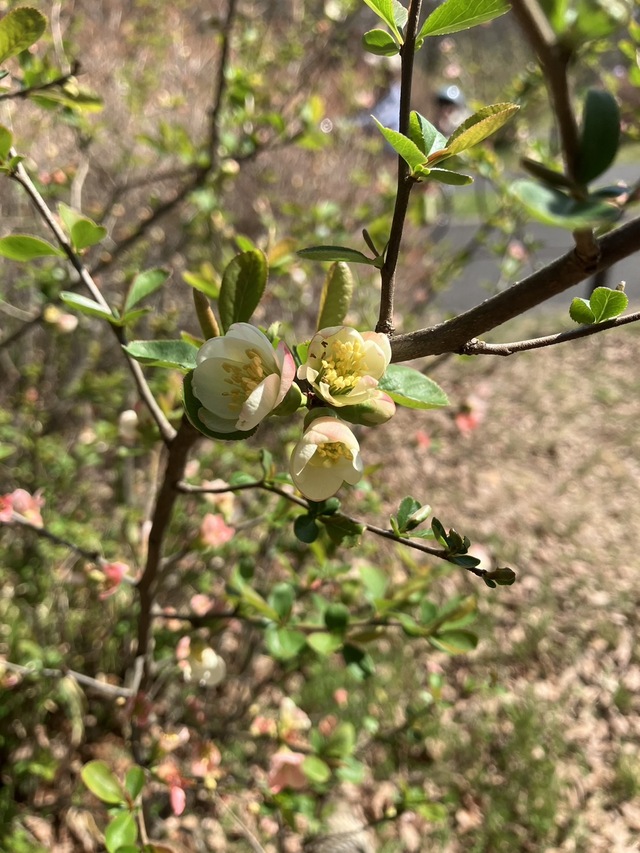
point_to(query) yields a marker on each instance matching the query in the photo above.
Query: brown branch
(405, 181)
(476, 347)
(220, 84)
(555, 278)
(43, 532)
(59, 81)
(101, 686)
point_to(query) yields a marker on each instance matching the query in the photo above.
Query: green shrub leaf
(324, 643)
(6, 141)
(284, 643)
(243, 283)
(455, 15)
(134, 781)
(454, 642)
(316, 770)
(479, 126)
(122, 831)
(410, 388)
(281, 599)
(177, 354)
(389, 12)
(99, 779)
(336, 296)
(600, 135)
(335, 253)
(19, 30)
(143, 285)
(553, 207)
(380, 43)
(607, 304)
(427, 137)
(87, 306)
(402, 145)
(22, 247)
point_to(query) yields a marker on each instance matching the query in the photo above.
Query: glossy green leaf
(6, 141)
(607, 304)
(407, 507)
(479, 126)
(192, 407)
(553, 207)
(580, 311)
(455, 15)
(380, 43)
(243, 283)
(143, 285)
(284, 643)
(22, 247)
(83, 232)
(335, 253)
(281, 598)
(503, 576)
(386, 10)
(134, 781)
(19, 30)
(176, 354)
(453, 179)
(336, 296)
(343, 531)
(121, 831)
(336, 618)
(423, 134)
(316, 770)
(402, 145)
(599, 136)
(324, 643)
(306, 529)
(204, 281)
(410, 388)
(99, 779)
(87, 306)
(454, 642)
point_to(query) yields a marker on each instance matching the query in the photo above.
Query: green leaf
(83, 232)
(204, 281)
(6, 141)
(316, 770)
(375, 580)
(192, 407)
(122, 831)
(336, 618)
(343, 531)
(427, 137)
(387, 11)
(284, 643)
(335, 253)
(341, 742)
(479, 126)
(439, 532)
(243, 283)
(402, 145)
(22, 247)
(553, 207)
(546, 175)
(503, 576)
(99, 779)
(600, 135)
(359, 662)
(407, 507)
(281, 599)
(446, 176)
(455, 15)
(176, 354)
(306, 529)
(410, 388)
(454, 642)
(607, 304)
(134, 781)
(144, 284)
(19, 30)
(336, 296)
(380, 43)
(87, 306)
(323, 643)
(580, 311)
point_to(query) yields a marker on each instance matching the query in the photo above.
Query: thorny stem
(405, 181)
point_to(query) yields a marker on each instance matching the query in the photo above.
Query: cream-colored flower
(327, 455)
(344, 366)
(240, 379)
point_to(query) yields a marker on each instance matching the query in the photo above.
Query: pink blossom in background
(286, 771)
(201, 604)
(224, 501)
(170, 775)
(178, 799)
(25, 504)
(423, 439)
(214, 531)
(341, 696)
(113, 575)
(6, 509)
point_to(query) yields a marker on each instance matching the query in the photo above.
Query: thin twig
(91, 556)
(476, 347)
(87, 680)
(59, 81)
(405, 181)
(220, 85)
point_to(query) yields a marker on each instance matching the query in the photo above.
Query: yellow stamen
(343, 366)
(331, 452)
(244, 378)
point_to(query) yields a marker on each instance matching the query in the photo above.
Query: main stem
(405, 181)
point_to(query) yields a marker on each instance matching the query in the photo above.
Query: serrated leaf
(176, 354)
(336, 296)
(99, 779)
(23, 247)
(402, 145)
(410, 388)
(335, 253)
(385, 10)
(580, 311)
(427, 137)
(87, 306)
(19, 30)
(243, 283)
(316, 770)
(192, 408)
(479, 126)
(599, 136)
(607, 304)
(324, 643)
(144, 284)
(454, 642)
(553, 207)
(455, 15)
(380, 43)
(6, 141)
(121, 831)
